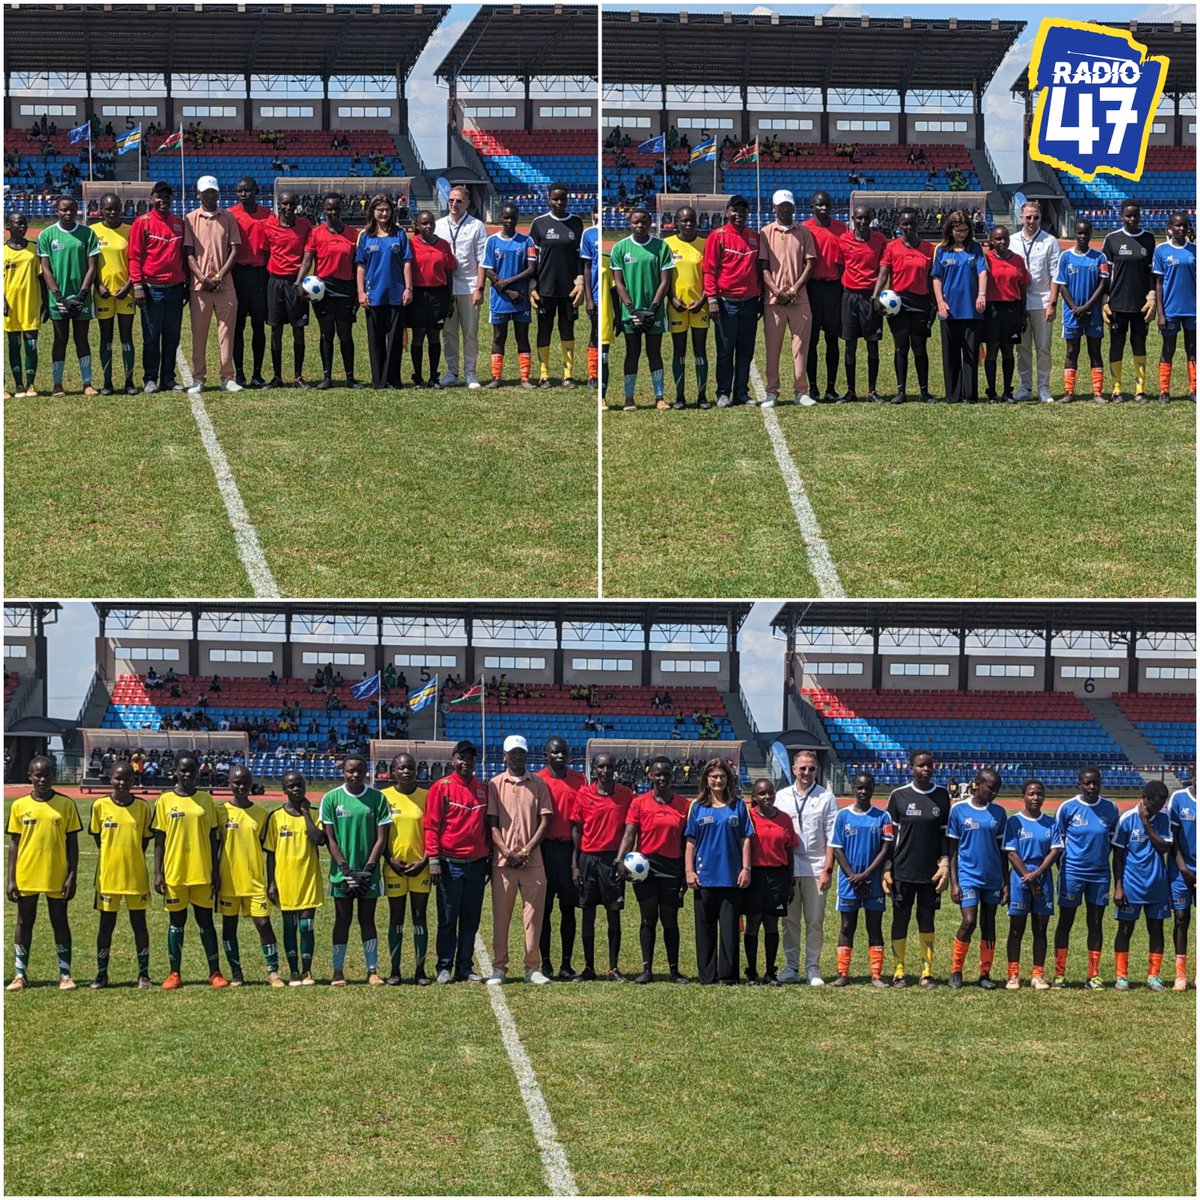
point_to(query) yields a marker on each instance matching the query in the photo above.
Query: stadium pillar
(977, 109)
(646, 651)
(169, 108)
(285, 666)
(248, 111)
(664, 124)
(194, 641)
(1047, 661)
(745, 94)
(469, 655)
(1177, 139)
(379, 644)
(963, 676)
(825, 115)
(528, 105)
(558, 653)
(451, 117)
(735, 658)
(876, 661)
(1131, 659)
(326, 114)
(39, 659)
(401, 109)
(787, 673)
(902, 125)
(8, 109)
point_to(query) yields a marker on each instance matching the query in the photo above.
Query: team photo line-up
(423, 289)
(553, 836)
(815, 278)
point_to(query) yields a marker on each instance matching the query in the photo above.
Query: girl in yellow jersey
(687, 306)
(405, 866)
(290, 841)
(43, 856)
(114, 292)
(26, 304)
(120, 826)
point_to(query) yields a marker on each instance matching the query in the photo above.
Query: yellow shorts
(678, 322)
(401, 885)
(244, 906)
(107, 309)
(608, 320)
(178, 898)
(112, 903)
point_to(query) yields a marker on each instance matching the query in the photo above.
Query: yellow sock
(899, 947)
(926, 954)
(1114, 372)
(544, 362)
(1139, 371)
(568, 353)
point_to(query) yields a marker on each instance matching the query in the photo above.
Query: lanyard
(454, 231)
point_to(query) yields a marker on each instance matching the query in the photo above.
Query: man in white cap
(519, 811)
(788, 254)
(211, 238)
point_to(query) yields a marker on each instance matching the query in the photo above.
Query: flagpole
(90, 176)
(714, 154)
(379, 709)
(758, 176)
(435, 706)
(182, 182)
(664, 166)
(140, 153)
(483, 722)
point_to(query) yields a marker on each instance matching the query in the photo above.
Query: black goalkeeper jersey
(919, 819)
(1130, 255)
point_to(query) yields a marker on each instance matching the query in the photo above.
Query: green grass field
(657, 1090)
(919, 500)
(416, 493)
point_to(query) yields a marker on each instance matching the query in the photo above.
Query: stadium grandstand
(1032, 689)
(522, 83)
(916, 134)
(27, 728)
(1168, 181)
(303, 97)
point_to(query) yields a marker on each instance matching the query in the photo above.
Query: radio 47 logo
(1097, 92)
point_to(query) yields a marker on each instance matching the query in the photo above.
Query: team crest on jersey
(937, 812)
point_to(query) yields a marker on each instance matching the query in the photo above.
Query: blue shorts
(1174, 324)
(973, 895)
(1154, 912)
(1021, 901)
(1182, 896)
(1093, 327)
(1074, 892)
(866, 903)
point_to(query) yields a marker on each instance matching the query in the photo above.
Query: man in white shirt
(813, 810)
(468, 240)
(1041, 252)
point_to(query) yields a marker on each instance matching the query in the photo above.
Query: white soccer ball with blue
(314, 286)
(890, 301)
(637, 866)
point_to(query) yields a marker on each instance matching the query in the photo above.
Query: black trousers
(717, 911)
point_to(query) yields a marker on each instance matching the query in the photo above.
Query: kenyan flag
(473, 695)
(172, 143)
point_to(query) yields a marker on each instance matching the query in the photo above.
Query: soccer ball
(314, 287)
(890, 301)
(637, 866)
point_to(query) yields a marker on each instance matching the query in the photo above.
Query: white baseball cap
(783, 196)
(515, 741)
(207, 183)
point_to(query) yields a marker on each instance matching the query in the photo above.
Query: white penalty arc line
(820, 560)
(250, 551)
(559, 1177)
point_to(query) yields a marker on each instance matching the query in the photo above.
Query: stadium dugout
(263, 90)
(738, 77)
(522, 105)
(27, 728)
(1033, 689)
(1168, 181)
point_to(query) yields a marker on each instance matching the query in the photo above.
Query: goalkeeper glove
(577, 292)
(1106, 312)
(941, 877)
(887, 883)
(1151, 305)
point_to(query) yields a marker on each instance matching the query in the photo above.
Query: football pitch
(417, 493)
(652, 1090)
(913, 500)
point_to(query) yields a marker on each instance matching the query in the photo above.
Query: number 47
(1087, 133)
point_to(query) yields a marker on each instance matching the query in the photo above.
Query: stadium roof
(518, 41)
(1151, 616)
(1176, 40)
(770, 50)
(228, 39)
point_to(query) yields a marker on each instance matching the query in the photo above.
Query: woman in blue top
(717, 865)
(959, 278)
(383, 270)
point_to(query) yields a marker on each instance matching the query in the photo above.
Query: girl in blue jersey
(975, 832)
(1027, 844)
(1081, 281)
(1174, 270)
(959, 281)
(383, 269)
(509, 263)
(1141, 844)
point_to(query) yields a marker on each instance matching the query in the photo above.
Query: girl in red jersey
(905, 269)
(656, 819)
(771, 887)
(434, 265)
(1004, 318)
(331, 248)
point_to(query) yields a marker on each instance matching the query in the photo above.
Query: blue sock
(371, 954)
(656, 382)
(57, 369)
(630, 385)
(339, 955)
(85, 369)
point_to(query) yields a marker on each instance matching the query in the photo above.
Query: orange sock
(1097, 381)
(875, 954)
(1122, 957)
(1155, 965)
(593, 364)
(1069, 380)
(1014, 970)
(844, 953)
(1093, 963)
(497, 365)
(1060, 961)
(1181, 966)
(1039, 972)
(1164, 377)
(1191, 374)
(958, 955)
(525, 362)
(987, 956)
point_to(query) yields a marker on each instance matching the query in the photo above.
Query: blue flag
(81, 133)
(366, 689)
(705, 152)
(654, 145)
(418, 700)
(131, 139)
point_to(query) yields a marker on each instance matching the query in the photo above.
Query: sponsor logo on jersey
(110, 823)
(29, 820)
(177, 814)
(913, 810)
(286, 833)
(1079, 820)
(971, 823)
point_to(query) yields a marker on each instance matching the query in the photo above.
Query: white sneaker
(805, 400)
(814, 980)
(196, 388)
(231, 385)
(770, 400)
(177, 387)
(151, 386)
(444, 977)
(536, 977)
(496, 978)
(788, 975)
(1022, 393)
(447, 379)
(472, 383)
